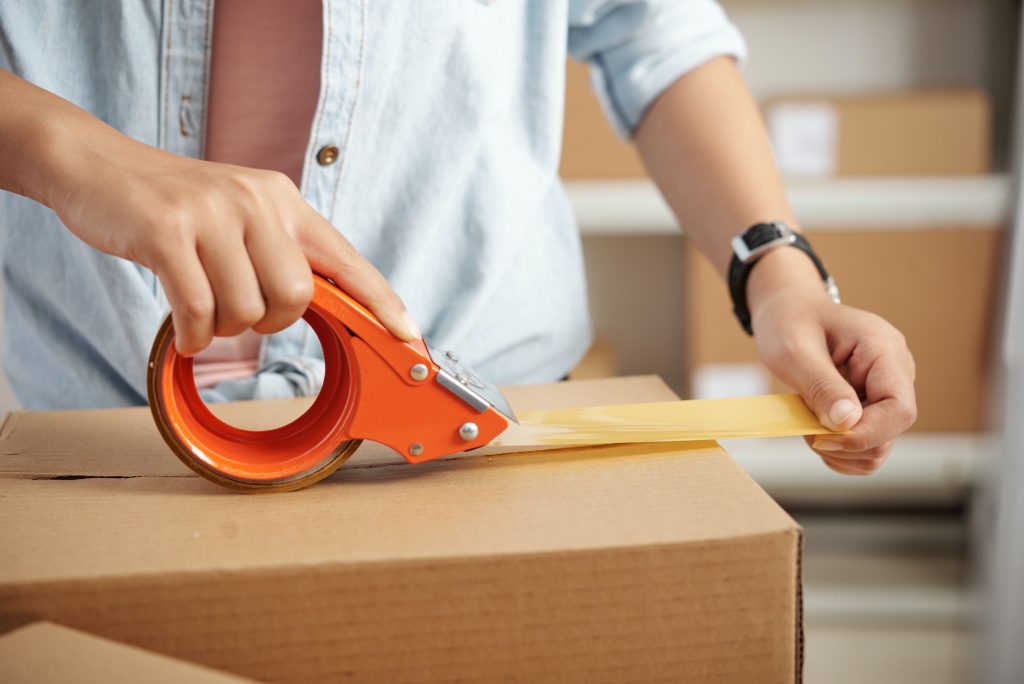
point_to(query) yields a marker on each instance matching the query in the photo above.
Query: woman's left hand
(852, 368)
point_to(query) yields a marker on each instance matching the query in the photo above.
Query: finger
(862, 463)
(877, 454)
(811, 372)
(238, 301)
(284, 278)
(872, 457)
(192, 307)
(846, 467)
(891, 407)
(332, 255)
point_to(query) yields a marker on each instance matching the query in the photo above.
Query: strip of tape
(775, 415)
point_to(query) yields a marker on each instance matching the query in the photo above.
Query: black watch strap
(748, 248)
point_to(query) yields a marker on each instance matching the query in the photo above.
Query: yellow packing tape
(775, 415)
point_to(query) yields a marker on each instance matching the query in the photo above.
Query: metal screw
(462, 377)
(416, 449)
(469, 431)
(418, 372)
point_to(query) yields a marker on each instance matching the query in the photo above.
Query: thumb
(827, 393)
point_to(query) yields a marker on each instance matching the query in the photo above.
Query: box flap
(42, 652)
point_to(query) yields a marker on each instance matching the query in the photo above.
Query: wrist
(47, 152)
(63, 148)
(784, 271)
(23, 148)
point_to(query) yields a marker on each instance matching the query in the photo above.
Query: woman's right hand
(233, 247)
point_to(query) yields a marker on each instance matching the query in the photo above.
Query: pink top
(264, 85)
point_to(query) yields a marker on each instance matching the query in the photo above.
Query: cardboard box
(590, 147)
(45, 653)
(600, 361)
(644, 562)
(938, 286)
(927, 132)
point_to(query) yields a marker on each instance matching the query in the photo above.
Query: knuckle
(196, 309)
(818, 390)
(242, 183)
(293, 295)
(248, 313)
(868, 467)
(842, 467)
(874, 345)
(237, 318)
(278, 180)
(877, 455)
(907, 413)
(910, 364)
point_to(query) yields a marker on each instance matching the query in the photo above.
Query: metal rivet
(327, 155)
(452, 355)
(416, 449)
(418, 372)
(469, 431)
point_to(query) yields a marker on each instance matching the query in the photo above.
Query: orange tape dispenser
(421, 402)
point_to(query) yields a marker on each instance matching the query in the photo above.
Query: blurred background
(893, 122)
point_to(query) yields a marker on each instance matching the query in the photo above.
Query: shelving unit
(634, 207)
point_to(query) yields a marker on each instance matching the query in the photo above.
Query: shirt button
(327, 155)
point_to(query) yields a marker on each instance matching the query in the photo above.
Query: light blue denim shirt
(449, 121)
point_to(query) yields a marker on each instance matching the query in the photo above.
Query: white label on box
(723, 380)
(805, 138)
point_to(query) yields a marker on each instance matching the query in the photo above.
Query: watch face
(761, 234)
(761, 238)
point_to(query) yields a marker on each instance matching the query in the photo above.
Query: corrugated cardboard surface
(937, 286)
(45, 653)
(908, 133)
(618, 563)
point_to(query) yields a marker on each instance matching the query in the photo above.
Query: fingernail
(826, 445)
(841, 413)
(412, 331)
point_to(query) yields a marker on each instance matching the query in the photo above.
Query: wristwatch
(751, 245)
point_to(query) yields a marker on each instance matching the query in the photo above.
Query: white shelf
(923, 469)
(634, 207)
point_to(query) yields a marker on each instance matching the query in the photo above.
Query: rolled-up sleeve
(638, 48)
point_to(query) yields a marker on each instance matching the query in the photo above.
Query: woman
(219, 152)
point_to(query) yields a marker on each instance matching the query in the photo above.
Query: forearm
(47, 143)
(28, 117)
(704, 144)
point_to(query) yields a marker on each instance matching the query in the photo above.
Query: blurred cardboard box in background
(590, 148)
(926, 132)
(600, 361)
